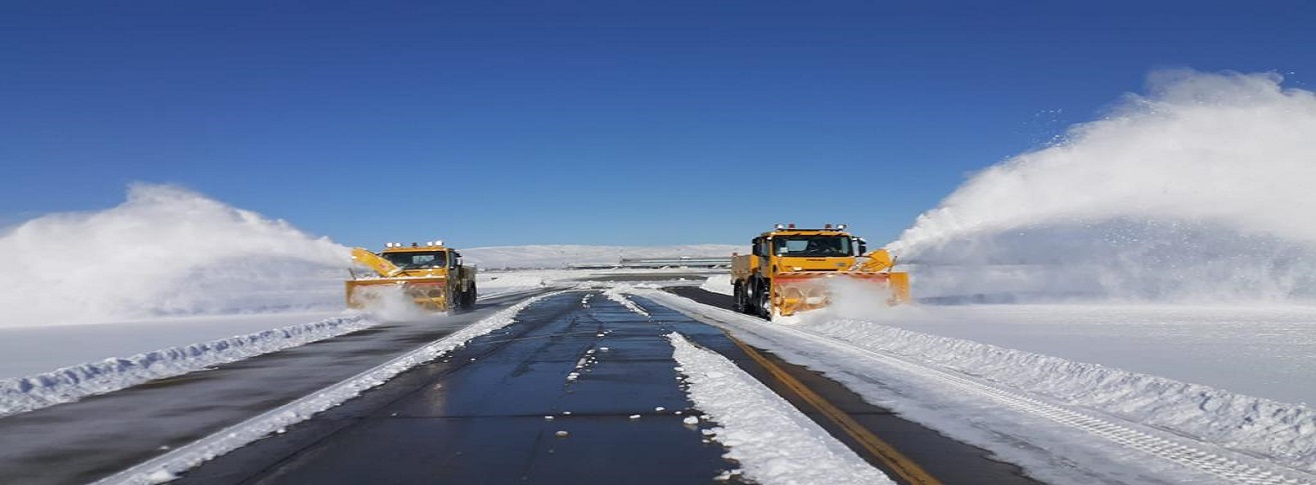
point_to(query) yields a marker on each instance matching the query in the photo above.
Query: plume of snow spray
(1197, 190)
(166, 250)
(389, 303)
(853, 298)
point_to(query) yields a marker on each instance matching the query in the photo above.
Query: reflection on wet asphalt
(619, 420)
(85, 440)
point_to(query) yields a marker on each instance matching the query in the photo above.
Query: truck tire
(454, 300)
(738, 298)
(468, 298)
(762, 302)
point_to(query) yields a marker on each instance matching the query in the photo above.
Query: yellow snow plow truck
(431, 275)
(788, 271)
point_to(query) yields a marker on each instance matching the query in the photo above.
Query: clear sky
(586, 122)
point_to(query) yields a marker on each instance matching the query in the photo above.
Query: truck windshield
(811, 246)
(436, 259)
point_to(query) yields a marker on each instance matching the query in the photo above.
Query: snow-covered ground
(1266, 352)
(1080, 421)
(1263, 351)
(1142, 368)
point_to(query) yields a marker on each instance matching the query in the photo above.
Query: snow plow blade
(427, 293)
(810, 290)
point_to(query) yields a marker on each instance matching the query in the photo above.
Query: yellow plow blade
(810, 290)
(375, 262)
(428, 293)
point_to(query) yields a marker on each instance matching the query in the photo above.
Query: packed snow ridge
(1284, 432)
(167, 467)
(617, 293)
(773, 441)
(72, 383)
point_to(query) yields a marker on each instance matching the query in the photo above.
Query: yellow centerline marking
(895, 460)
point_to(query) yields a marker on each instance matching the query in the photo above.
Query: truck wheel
(738, 298)
(468, 298)
(454, 300)
(762, 302)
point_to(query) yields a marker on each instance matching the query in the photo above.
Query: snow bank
(772, 441)
(1285, 433)
(76, 382)
(1197, 191)
(167, 467)
(718, 284)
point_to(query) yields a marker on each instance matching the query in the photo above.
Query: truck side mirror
(863, 248)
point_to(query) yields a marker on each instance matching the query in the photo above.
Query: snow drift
(1195, 191)
(164, 251)
(69, 384)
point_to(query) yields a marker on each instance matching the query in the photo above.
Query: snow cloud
(1197, 190)
(166, 250)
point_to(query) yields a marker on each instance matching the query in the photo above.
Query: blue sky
(631, 123)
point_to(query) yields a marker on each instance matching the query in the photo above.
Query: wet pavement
(504, 408)
(86, 440)
(515, 414)
(486, 420)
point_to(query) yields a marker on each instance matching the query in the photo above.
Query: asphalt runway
(97, 436)
(501, 409)
(504, 409)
